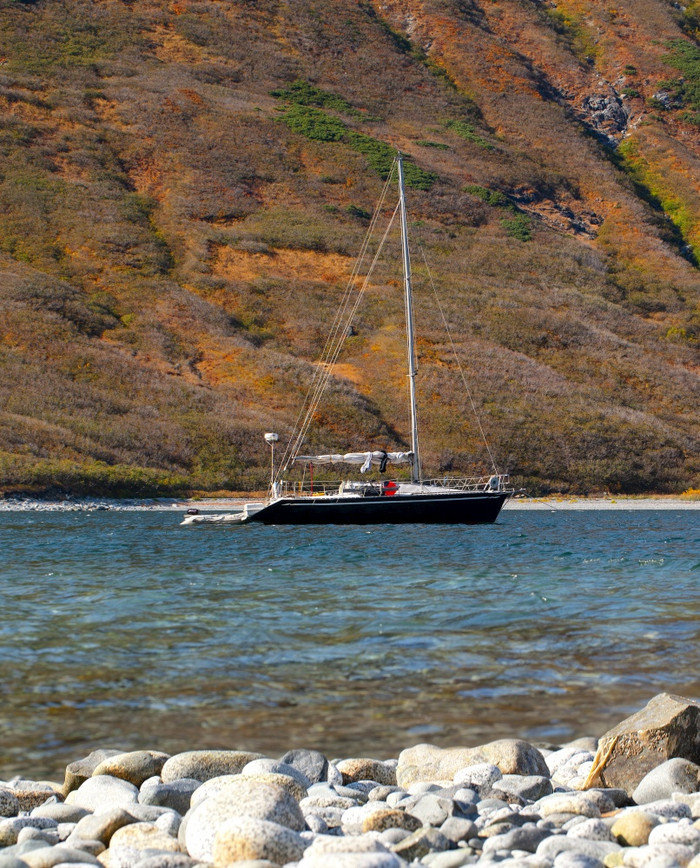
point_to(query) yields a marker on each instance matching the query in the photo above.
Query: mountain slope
(184, 187)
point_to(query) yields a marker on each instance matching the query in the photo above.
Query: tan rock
(426, 762)
(101, 827)
(632, 829)
(668, 726)
(390, 818)
(205, 764)
(143, 836)
(79, 771)
(244, 838)
(135, 766)
(364, 769)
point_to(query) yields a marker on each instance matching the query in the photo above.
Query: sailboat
(446, 500)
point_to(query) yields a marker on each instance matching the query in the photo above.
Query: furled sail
(366, 459)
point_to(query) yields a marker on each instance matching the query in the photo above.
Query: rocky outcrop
(667, 727)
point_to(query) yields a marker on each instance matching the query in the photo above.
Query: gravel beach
(630, 798)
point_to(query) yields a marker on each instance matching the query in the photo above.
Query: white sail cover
(366, 459)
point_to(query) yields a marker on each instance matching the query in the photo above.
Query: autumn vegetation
(185, 184)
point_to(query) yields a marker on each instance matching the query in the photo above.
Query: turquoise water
(123, 629)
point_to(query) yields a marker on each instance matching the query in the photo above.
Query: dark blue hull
(469, 507)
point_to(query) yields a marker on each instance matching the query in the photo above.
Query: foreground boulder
(667, 727)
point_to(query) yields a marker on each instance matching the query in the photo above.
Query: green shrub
(685, 57)
(424, 143)
(465, 130)
(314, 124)
(518, 226)
(362, 213)
(491, 197)
(303, 93)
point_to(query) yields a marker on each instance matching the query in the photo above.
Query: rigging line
(335, 329)
(334, 343)
(313, 403)
(459, 366)
(332, 358)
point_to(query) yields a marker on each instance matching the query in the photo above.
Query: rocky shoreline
(631, 798)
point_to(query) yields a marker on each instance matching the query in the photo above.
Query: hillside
(184, 187)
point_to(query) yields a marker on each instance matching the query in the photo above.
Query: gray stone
(668, 726)
(60, 812)
(479, 777)
(674, 776)
(526, 787)
(326, 800)
(48, 857)
(330, 845)
(591, 829)
(353, 819)
(176, 795)
(103, 793)
(668, 808)
(365, 769)
(218, 785)
(318, 824)
(169, 823)
(310, 763)
(552, 846)
(569, 859)
(9, 803)
(205, 764)
(11, 827)
(12, 862)
(29, 832)
(692, 800)
(431, 809)
(466, 799)
(379, 793)
(246, 837)
(613, 796)
(650, 855)
(79, 771)
(570, 803)
(426, 762)
(260, 801)
(65, 830)
(101, 827)
(265, 766)
(526, 838)
(291, 785)
(420, 843)
(450, 859)
(353, 860)
(357, 789)
(128, 844)
(19, 850)
(135, 766)
(168, 860)
(89, 846)
(676, 833)
(150, 813)
(392, 836)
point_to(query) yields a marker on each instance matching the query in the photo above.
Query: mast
(408, 298)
